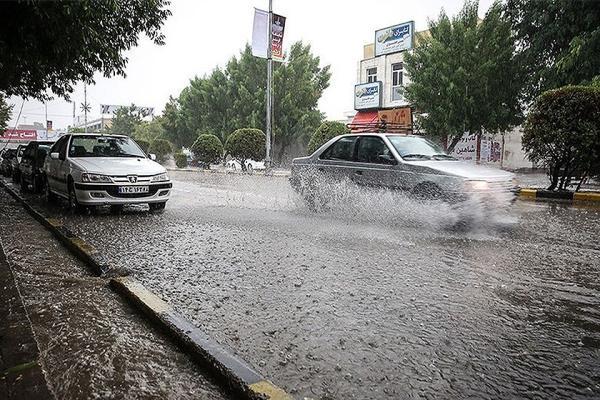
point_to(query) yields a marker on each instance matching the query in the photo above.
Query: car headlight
(477, 185)
(94, 178)
(160, 177)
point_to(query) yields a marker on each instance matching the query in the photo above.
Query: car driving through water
(96, 169)
(409, 163)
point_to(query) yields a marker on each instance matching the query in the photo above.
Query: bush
(207, 149)
(161, 148)
(324, 133)
(562, 132)
(143, 144)
(180, 160)
(246, 143)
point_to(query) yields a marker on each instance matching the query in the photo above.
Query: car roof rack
(380, 127)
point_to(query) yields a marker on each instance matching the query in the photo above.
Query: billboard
(112, 108)
(367, 95)
(394, 38)
(260, 35)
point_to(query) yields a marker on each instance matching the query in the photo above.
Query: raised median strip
(236, 374)
(561, 195)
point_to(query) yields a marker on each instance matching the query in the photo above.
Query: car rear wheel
(157, 206)
(48, 195)
(24, 186)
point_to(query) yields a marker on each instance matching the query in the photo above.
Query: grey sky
(203, 34)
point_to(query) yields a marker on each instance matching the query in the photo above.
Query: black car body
(6, 165)
(32, 165)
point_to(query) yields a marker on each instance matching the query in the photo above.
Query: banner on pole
(260, 35)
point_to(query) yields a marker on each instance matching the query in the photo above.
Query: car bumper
(101, 194)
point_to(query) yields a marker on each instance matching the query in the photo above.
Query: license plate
(133, 189)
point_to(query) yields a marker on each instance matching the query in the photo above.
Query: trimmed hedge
(207, 148)
(180, 160)
(324, 133)
(246, 143)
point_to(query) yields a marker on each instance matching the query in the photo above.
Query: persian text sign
(394, 39)
(20, 134)
(367, 95)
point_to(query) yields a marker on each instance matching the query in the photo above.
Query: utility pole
(46, 110)
(269, 84)
(85, 106)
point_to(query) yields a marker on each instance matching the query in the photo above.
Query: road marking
(585, 196)
(528, 192)
(271, 391)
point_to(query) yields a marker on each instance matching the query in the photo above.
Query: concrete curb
(237, 374)
(276, 174)
(548, 194)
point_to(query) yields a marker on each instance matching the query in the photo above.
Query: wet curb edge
(548, 194)
(238, 375)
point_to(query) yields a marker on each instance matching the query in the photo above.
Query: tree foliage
(161, 148)
(144, 144)
(5, 113)
(246, 143)
(51, 45)
(125, 121)
(181, 160)
(463, 76)
(207, 148)
(558, 42)
(234, 97)
(562, 132)
(149, 130)
(324, 133)
(175, 131)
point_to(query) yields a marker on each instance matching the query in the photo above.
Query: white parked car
(251, 165)
(95, 169)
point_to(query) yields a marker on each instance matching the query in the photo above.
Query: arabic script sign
(394, 39)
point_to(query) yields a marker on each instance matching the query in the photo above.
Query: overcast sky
(201, 35)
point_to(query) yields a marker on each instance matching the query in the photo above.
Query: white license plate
(133, 189)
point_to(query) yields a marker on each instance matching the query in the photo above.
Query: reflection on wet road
(375, 297)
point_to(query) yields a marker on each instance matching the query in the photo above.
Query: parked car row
(90, 170)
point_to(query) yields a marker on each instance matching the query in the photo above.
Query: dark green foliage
(325, 132)
(144, 145)
(5, 113)
(125, 121)
(180, 160)
(463, 76)
(174, 128)
(161, 148)
(207, 148)
(235, 97)
(246, 143)
(558, 42)
(51, 45)
(562, 132)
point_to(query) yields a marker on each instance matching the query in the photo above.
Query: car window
(416, 147)
(343, 149)
(29, 151)
(104, 146)
(372, 149)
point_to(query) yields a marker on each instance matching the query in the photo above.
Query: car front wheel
(157, 206)
(73, 202)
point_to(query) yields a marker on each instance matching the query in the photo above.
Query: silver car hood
(119, 165)
(466, 170)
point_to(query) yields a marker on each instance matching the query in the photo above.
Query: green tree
(175, 130)
(558, 42)
(246, 144)
(149, 131)
(144, 144)
(463, 76)
(51, 45)
(207, 148)
(234, 97)
(161, 148)
(562, 132)
(5, 113)
(324, 133)
(180, 159)
(125, 121)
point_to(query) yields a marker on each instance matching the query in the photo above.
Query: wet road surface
(376, 297)
(92, 345)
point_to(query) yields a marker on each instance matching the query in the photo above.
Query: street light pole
(269, 84)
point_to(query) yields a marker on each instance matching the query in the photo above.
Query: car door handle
(358, 173)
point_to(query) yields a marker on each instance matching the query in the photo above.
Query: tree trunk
(554, 170)
(583, 177)
(453, 143)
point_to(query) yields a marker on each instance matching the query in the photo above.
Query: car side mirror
(387, 159)
(54, 156)
(152, 156)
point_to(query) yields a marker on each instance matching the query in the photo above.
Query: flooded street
(377, 296)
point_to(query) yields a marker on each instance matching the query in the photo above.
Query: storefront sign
(367, 95)
(394, 39)
(398, 116)
(20, 134)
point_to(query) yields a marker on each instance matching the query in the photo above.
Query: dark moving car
(6, 165)
(16, 172)
(32, 165)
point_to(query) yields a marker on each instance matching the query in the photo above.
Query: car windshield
(418, 148)
(104, 146)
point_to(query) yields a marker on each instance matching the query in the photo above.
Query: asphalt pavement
(377, 296)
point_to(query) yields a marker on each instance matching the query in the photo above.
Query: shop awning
(364, 121)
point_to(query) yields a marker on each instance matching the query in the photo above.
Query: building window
(397, 76)
(371, 75)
